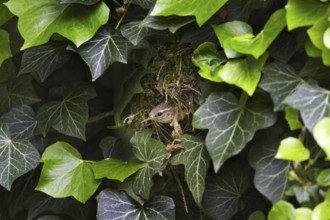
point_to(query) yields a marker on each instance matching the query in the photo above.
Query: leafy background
(75, 80)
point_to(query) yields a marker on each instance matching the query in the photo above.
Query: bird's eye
(159, 113)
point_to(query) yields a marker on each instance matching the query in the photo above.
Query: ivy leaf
(4, 46)
(21, 122)
(143, 3)
(323, 179)
(17, 91)
(280, 80)
(17, 157)
(117, 205)
(41, 61)
(203, 11)
(64, 173)
(105, 48)
(300, 14)
(5, 14)
(312, 101)
(230, 126)
(151, 151)
(248, 43)
(322, 211)
(270, 174)
(83, 2)
(225, 189)
(282, 210)
(39, 20)
(110, 146)
(172, 23)
(241, 10)
(68, 116)
(196, 162)
(292, 117)
(135, 32)
(116, 169)
(321, 133)
(292, 149)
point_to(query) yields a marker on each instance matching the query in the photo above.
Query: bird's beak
(147, 119)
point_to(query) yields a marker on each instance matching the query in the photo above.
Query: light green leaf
(292, 117)
(312, 101)
(270, 176)
(303, 214)
(312, 51)
(321, 133)
(172, 23)
(135, 32)
(224, 191)
(196, 162)
(292, 149)
(202, 10)
(151, 151)
(5, 14)
(326, 38)
(282, 211)
(105, 48)
(4, 46)
(280, 80)
(257, 215)
(64, 173)
(68, 116)
(230, 126)
(247, 43)
(39, 20)
(323, 179)
(17, 91)
(117, 205)
(41, 61)
(116, 169)
(321, 211)
(300, 14)
(17, 157)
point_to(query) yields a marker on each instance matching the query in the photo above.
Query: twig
(100, 117)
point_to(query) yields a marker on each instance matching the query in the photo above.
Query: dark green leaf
(117, 205)
(230, 126)
(283, 47)
(41, 61)
(68, 116)
(172, 23)
(312, 101)
(196, 162)
(38, 21)
(17, 157)
(315, 69)
(116, 169)
(110, 146)
(21, 122)
(241, 10)
(152, 152)
(105, 48)
(270, 174)
(323, 179)
(83, 2)
(224, 191)
(4, 46)
(5, 14)
(143, 3)
(64, 173)
(280, 80)
(203, 11)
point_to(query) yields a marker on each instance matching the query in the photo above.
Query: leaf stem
(242, 100)
(100, 116)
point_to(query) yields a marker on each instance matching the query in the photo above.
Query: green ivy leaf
(117, 205)
(64, 173)
(116, 169)
(282, 211)
(241, 10)
(323, 179)
(321, 133)
(41, 61)
(292, 149)
(151, 151)
(17, 91)
(83, 2)
(17, 157)
(147, 4)
(4, 46)
(105, 48)
(39, 20)
(257, 215)
(68, 116)
(303, 214)
(292, 117)
(196, 162)
(300, 14)
(280, 80)
(110, 146)
(312, 101)
(224, 191)
(270, 174)
(244, 72)
(21, 122)
(172, 23)
(203, 11)
(5, 14)
(247, 43)
(230, 126)
(322, 211)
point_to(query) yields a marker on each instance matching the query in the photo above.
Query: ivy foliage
(165, 109)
